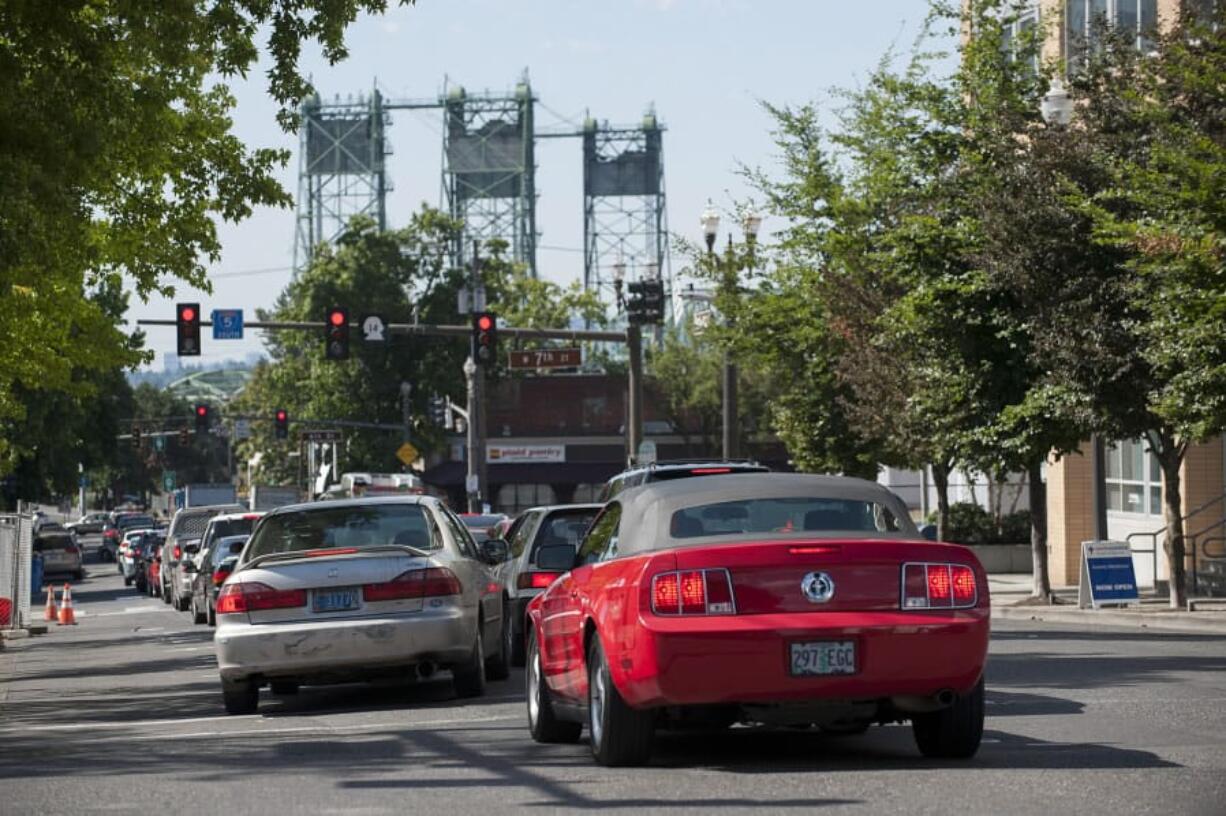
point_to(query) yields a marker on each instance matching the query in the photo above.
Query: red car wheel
(621, 735)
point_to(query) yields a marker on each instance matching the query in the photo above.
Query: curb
(1162, 621)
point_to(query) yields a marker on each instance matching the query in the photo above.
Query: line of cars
(756, 598)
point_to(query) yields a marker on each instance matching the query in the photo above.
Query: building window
(1083, 17)
(1018, 30)
(515, 498)
(1134, 479)
(588, 493)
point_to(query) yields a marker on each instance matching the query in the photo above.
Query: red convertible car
(771, 599)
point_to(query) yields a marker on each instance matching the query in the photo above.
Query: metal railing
(1193, 542)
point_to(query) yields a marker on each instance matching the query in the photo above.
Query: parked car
(115, 527)
(185, 571)
(537, 530)
(146, 552)
(777, 599)
(151, 559)
(217, 562)
(60, 553)
(188, 523)
(127, 553)
(355, 589)
(667, 471)
(88, 524)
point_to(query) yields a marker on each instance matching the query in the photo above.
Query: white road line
(85, 729)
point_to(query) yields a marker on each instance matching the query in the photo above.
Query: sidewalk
(1008, 590)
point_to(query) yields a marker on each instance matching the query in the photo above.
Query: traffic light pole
(634, 399)
(632, 337)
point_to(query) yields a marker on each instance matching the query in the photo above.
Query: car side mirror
(929, 532)
(494, 550)
(556, 558)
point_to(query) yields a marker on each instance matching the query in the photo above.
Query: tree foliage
(119, 160)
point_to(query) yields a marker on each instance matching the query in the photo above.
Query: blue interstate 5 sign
(227, 324)
(1107, 574)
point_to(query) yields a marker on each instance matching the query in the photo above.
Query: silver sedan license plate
(334, 600)
(824, 657)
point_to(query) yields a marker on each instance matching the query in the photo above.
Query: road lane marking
(86, 729)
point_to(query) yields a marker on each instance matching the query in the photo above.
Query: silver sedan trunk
(341, 591)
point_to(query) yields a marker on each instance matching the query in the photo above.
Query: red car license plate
(823, 657)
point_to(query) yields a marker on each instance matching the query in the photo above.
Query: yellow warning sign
(407, 453)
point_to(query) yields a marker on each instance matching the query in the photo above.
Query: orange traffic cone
(66, 616)
(52, 614)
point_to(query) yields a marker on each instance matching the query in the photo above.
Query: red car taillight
(71, 550)
(220, 576)
(536, 580)
(938, 586)
(110, 534)
(416, 583)
(176, 553)
(253, 597)
(693, 592)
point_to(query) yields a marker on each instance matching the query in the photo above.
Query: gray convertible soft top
(648, 509)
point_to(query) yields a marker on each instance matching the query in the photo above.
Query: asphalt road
(122, 713)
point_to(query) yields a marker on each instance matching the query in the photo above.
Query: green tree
(1152, 130)
(401, 274)
(119, 160)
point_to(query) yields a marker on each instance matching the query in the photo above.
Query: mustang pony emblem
(818, 587)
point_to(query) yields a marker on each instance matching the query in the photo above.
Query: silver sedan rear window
(352, 526)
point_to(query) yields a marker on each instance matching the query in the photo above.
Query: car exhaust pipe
(426, 670)
(920, 704)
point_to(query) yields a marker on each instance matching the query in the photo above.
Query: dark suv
(678, 469)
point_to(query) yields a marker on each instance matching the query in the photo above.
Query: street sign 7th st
(546, 358)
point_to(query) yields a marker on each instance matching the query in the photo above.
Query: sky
(707, 67)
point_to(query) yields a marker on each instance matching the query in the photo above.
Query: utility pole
(634, 412)
(472, 482)
(406, 408)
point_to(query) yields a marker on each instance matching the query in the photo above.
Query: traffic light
(485, 338)
(187, 319)
(646, 303)
(282, 424)
(202, 418)
(185, 437)
(136, 438)
(336, 332)
(438, 411)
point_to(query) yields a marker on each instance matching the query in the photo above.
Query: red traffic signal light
(281, 424)
(282, 416)
(202, 418)
(484, 338)
(187, 322)
(336, 334)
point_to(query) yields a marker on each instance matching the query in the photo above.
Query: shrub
(971, 524)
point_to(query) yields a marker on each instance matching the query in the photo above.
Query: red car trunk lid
(769, 576)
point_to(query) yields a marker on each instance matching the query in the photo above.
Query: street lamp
(1056, 108)
(750, 223)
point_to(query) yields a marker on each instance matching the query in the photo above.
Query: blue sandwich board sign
(1108, 577)
(227, 324)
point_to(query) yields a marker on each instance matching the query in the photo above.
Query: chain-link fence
(16, 545)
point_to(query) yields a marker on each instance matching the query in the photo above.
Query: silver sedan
(338, 591)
